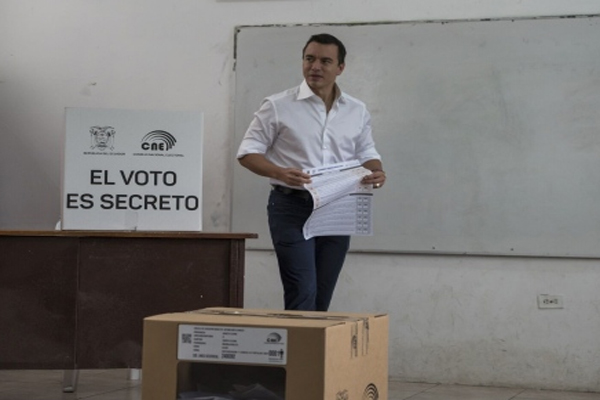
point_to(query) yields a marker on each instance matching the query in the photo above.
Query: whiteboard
(489, 131)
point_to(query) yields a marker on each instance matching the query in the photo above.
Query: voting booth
(132, 170)
(265, 354)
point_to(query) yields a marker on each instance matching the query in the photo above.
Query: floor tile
(114, 384)
(556, 395)
(132, 393)
(460, 392)
(48, 385)
(32, 375)
(403, 390)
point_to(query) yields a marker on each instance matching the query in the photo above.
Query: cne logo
(158, 141)
(274, 337)
(371, 392)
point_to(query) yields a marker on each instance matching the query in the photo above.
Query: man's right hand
(292, 177)
(258, 164)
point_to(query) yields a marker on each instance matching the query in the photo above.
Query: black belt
(305, 194)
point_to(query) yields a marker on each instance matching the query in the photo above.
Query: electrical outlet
(549, 301)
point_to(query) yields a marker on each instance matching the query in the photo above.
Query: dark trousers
(309, 269)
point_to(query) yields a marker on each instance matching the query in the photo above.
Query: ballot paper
(342, 204)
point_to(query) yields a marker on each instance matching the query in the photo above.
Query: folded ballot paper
(342, 204)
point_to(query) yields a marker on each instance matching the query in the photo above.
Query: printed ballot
(342, 204)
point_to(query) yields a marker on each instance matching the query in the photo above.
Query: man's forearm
(373, 165)
(258, 164)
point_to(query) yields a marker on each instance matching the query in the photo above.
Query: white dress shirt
(292, 129)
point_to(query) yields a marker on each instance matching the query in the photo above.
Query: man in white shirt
(309, 126)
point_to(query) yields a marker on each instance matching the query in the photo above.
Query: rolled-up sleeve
(365, 146)
(261, 132)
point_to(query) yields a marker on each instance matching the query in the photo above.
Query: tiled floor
(116, 385)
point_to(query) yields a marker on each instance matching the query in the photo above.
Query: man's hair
(326, 38)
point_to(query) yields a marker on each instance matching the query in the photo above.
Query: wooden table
(77, 299)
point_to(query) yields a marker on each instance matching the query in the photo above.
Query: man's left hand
(377, 179)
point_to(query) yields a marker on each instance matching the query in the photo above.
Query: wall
(454, 319)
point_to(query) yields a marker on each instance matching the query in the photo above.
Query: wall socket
(550, 301)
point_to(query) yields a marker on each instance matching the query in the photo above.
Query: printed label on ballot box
(232, 344)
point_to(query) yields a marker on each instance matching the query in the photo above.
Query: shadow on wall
(29, 182)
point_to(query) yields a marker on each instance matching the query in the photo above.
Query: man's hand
(377, 179)
(292, 177)
(258, 164)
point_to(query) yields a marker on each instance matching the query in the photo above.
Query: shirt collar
(305, 92)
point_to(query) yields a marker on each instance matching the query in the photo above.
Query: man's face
(320, 66)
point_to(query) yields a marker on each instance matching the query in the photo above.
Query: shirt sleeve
(261, 132)
(365, 146)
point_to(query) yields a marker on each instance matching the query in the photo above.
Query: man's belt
(305, 194)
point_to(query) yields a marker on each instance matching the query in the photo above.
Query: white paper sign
(232, 344)
(132, 170)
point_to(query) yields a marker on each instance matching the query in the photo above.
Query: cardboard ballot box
(233, 353)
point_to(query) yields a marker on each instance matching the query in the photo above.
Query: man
(309, 126)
